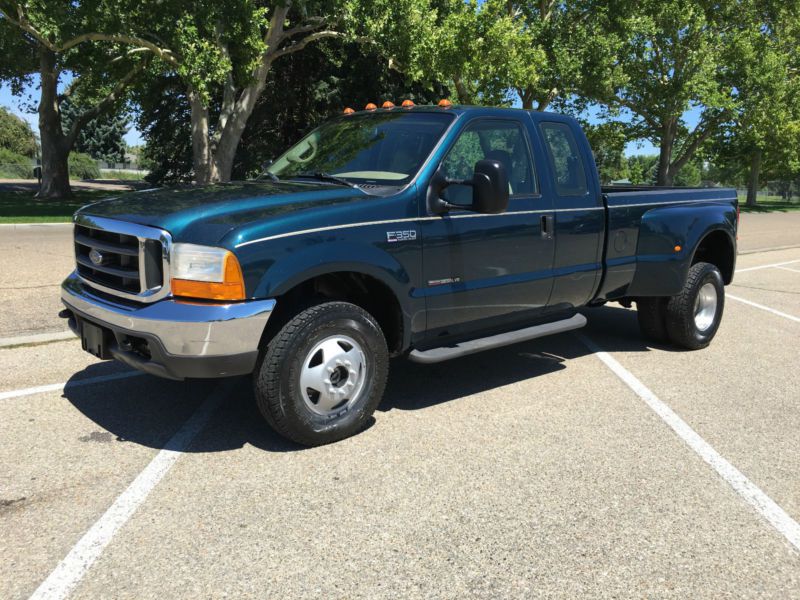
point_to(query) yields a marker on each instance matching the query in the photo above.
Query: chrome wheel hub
(333, 374)
(705, 307)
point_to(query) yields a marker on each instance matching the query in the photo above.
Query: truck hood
(205, 214)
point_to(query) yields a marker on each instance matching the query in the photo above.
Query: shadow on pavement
(148, 411)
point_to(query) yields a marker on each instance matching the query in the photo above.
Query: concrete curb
(39, 338)
(31, 225)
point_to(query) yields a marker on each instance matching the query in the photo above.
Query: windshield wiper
(272, 177)
(322, 176)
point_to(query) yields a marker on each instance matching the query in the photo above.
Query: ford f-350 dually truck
(424, 231)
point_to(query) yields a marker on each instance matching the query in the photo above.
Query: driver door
(482, 270)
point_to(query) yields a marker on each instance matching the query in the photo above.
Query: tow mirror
(489, 185)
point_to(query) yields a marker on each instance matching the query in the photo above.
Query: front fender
(301, 265)
(271, 272)
(660, 269)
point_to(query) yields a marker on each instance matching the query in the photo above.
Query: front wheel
(323, 374)
(694, 315)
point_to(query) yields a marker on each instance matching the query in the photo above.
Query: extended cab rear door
(482, 270)
(572, 184)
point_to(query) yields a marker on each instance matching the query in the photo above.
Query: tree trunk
(202, 158)
(225, 151)
(55, 149)
(665, 175)
(755, 174)
(462, 92)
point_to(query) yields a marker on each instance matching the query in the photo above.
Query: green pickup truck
(426, 232)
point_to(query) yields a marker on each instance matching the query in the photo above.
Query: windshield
(376, 148)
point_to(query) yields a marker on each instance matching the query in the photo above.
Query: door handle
(548, 222)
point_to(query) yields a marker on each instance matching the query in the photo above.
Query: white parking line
(762, 307)
(751, 493)
(77, 563)
(52, 387)
(788, 269)
(770, 266)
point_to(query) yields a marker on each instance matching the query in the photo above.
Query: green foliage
(16, 134)
(305, 89)
(83, 166)
(674, 55)
(14, 166)
(100, 138)
(642, 169)
(607, 141)
(691, 175)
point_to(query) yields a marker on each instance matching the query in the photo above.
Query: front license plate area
(94, 340)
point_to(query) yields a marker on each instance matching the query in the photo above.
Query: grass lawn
(769, 204)
(22, 207)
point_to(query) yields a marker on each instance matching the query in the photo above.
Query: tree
(48, 38)
(674, 57)
(642, 169)
(16, 134)
(607, 141)
(498, 51)
(763, 134)
(548, 51)
(304, 89)
(102, 138)
(223, 53)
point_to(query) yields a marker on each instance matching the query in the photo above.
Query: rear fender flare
(668, 240)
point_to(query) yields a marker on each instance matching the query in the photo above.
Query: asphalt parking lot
(590, 464)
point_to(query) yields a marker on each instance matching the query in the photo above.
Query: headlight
(205, 272)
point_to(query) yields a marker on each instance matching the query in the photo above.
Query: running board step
(435, 355)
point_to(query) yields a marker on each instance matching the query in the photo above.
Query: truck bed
(651, 232)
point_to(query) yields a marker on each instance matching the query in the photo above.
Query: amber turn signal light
(445, 103)
(370, 106)
(407, 103)
(230, 288)
(348, 111)
(387, 104)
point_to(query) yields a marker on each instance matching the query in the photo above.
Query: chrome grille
(123, 259)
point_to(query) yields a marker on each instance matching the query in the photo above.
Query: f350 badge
(409, 235)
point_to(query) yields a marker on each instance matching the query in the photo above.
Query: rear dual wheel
(691, 318)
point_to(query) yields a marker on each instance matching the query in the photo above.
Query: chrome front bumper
(182, 339)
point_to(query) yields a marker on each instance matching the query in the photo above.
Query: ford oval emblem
(96, 256)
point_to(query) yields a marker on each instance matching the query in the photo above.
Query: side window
(566, 162)
(503, 141)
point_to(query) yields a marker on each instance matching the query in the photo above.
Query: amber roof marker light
(407, 103)
(444, 103)
(370, 106)
(387, 104)
(348, 111)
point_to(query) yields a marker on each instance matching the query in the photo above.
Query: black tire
(287, 408)
(681, 323)
(652, 315)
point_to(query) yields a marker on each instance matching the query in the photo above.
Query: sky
(134, 137)
(17, 106)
